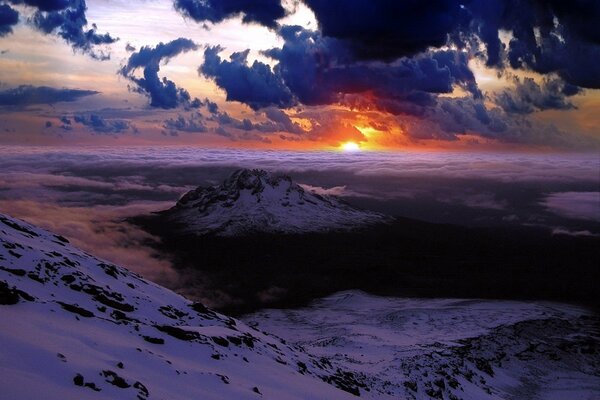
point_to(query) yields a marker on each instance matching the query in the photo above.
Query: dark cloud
(255, 85)
(547, 36)
(101, 125)
(387, 30)
(163, 92)
(8, 18)
(264, 12)
(314, 70)
(67, 19)
(528, 96)
(26, 95)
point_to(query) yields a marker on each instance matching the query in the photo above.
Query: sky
(471, 75)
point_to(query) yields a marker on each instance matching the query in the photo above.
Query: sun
(350, 146)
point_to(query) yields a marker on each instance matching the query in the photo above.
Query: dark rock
(76, 309)
(178, 333)
(220, 341)
(78, 380)
(14, 271)
(114, 379)
(8, 295)
(153, 340)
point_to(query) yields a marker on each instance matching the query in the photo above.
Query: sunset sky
(515, 75)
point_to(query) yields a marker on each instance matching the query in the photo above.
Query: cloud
(528, 96)
(282, 121)
(27, 95)
(85, 193)
(99, 124)
(255, 85)
(317, 70)
(8, 18)
(562, 231)
(314, 70)
(387, 30)
(192, 124)
(277, 121)
(163, 92)
(264, 12)
(67, 19)
(45, 5)
(581, 205)
(547, 36)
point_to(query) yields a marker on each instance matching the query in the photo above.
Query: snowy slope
(75, 327)
(254, 200)
(448, 348)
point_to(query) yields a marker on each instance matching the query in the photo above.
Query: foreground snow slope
(75, 327)
(256, 201)
(448, 348)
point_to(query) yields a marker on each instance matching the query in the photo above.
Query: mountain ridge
(80, 327)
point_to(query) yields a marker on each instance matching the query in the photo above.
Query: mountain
(74, 326)
(257, 201)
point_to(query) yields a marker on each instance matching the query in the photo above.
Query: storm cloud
(264, 12)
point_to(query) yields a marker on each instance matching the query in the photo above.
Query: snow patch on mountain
(257, 201)
(74, 326)
(450, 348)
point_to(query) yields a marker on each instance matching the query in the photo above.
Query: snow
(256, 201)
(487, 349)
(74, 326)
(78, 326)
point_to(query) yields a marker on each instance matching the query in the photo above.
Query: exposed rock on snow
(74, 327)
(256, 201)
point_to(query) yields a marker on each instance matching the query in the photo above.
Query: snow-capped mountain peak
(254, 200)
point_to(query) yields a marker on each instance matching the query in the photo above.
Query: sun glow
(350, 146)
